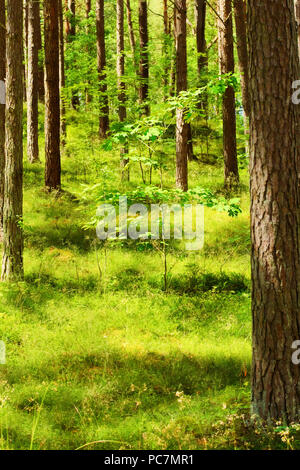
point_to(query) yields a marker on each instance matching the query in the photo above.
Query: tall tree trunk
(181, 74)
(144, 57)
(240, 13)
(41, 64)
(88, 7)
(241, 39)
(33, 82)
(12, 262)
(62, 79)
(2, 105)
(121, 83)
(202, 58)
(70, 36)
(52, 98)
(166, 42)
(172, 29)
(231, 172)
(101, 60)
(131, 32)
(25, 57)
(274, 123)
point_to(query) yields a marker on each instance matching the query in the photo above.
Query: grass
(98, 353)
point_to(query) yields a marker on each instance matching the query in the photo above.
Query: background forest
(131, 344)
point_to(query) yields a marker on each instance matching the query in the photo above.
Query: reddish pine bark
(181, 75)
(2, 106)
(274, 122)
(33, 82)
(231, 173)
(12, 261)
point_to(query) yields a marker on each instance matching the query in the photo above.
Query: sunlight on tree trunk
(12, 262)
(33, 82)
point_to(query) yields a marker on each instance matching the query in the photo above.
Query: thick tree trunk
(52, 98)
(231, 172)
(12, 263)
(41, 65)
(181, 74)
(274, 123)
(33, 82)
(120, 75)
(101, 60)
(144, 57)
(62, 79)
(2, 106)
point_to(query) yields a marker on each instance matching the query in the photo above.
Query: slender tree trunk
(202, 58)
(240, 13)
(33, 82)
(200, 16)
(144, 57)
(241, 39)
(12, 262)
(70, 36)
(173, 58)
(121, 83)
(166, 42)
(67, 21)
(2, 106)
(25, 46)
(229, 118)
(274, 123)
(72, 10)
(181, 74)
(88, 7)
(41, 64)
(131, 32)
(62, 79)
(52, 98)
(101, 60)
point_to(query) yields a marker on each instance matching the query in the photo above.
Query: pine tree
(12, 262)
(33, 82)
(52, 96)
(274, 153)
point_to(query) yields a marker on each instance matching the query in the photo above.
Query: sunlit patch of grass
(96, 349)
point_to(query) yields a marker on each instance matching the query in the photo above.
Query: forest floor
(115, 362)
